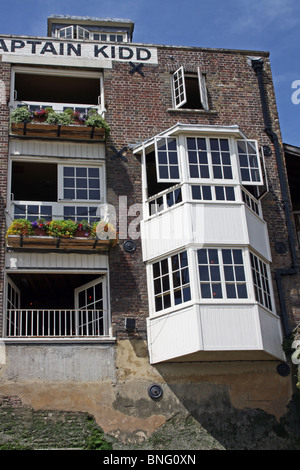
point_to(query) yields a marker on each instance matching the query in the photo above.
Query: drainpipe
(258, 65)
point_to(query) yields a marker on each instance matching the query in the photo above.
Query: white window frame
(172, 288)
(82, 31)
(167, 165)
(261, 282)
(179, 89)
(223, 281)
(251, 181)
(211, 178)
(58, 31)
(60, 183)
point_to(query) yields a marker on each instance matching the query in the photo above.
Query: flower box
(46, 243)
(35, 129)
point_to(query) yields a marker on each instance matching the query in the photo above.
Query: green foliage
(95, 439)
(21, 115)
(96, 120)
(59, 118)
(20, 227)
(62, 228)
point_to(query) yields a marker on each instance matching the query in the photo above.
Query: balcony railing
(54, 323)
(201, 193)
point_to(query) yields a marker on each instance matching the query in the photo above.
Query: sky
(256, 25)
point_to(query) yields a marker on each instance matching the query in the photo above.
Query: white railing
(165, 199)
(33, 210)
(57, 107)
(45, 323)
(251, 202)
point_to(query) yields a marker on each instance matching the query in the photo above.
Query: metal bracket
(119, 153)
(136, 68)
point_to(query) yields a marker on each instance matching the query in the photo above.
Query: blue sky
(258, 25)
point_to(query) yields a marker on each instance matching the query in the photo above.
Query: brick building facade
(191, 324)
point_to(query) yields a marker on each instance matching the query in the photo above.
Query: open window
(189, 90)
(249, 162)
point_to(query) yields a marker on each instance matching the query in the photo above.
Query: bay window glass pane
(171, 281)
(167, 159)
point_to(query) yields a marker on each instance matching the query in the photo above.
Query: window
(171, 281)
(221, 274)
(67, 33)
(209, 193)
(32, 212)
(209, 158)
(249, 162)
(81, 183)
(189, 90)
(80, 213)
(82, 33)
(167, 159)
(261, 281)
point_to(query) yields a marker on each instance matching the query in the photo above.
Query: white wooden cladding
(203, 328)
(51, 261)
(204, 224)
(23, 147)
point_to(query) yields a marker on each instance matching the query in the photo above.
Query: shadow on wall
(209, 403)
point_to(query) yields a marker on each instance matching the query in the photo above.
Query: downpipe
(258, 65)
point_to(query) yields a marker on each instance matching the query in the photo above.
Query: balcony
(176, 218)
(56, 305)
(65, 125)
(54, 323)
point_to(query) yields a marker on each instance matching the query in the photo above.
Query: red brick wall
(4, 120)
(138, 107)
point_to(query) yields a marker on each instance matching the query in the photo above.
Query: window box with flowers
(63, 234)
(65, 125)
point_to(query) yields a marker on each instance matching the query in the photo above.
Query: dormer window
(78, 32)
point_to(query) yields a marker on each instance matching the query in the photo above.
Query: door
(13, 313)
(91, 307)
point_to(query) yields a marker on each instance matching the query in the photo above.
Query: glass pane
(196, 192)
(157, 286)
(81, 172)
(186, 291)
(228, 272)
(242, 291)
(68, 171)
(215, 273)
(207, 193)
(205, 291)
(81, 194)
(202, 256)
(217, 291)
(203, 271)
(177, 297)
(230, 291)
(93, 172)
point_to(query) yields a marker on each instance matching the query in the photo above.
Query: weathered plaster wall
(204, 405)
